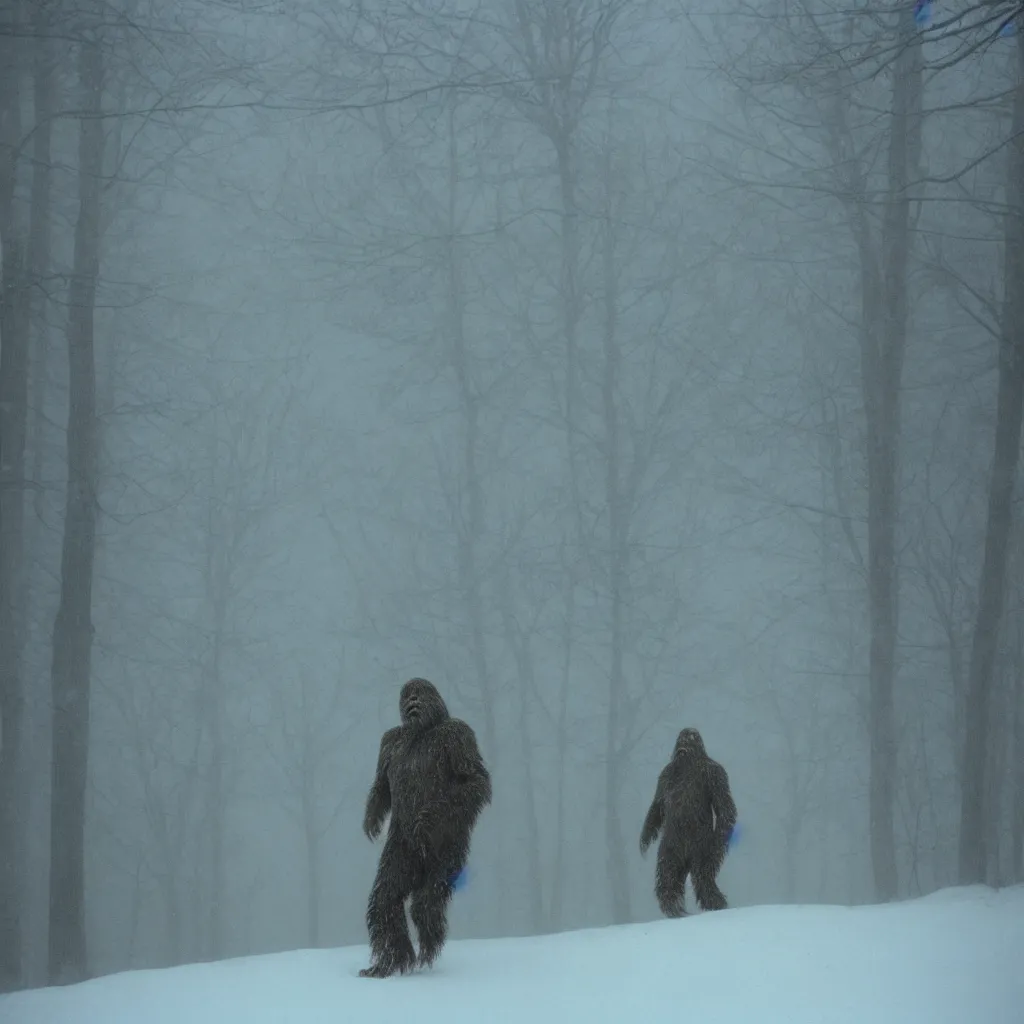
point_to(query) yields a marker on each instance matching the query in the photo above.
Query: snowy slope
(956, 956)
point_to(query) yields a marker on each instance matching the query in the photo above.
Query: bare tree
(308, 748)
(243, 467)
(976, 811)
(73, 631)
(518, 637)
(162, 736)
(823, 68)
(24, 266)
(883, 349)
(561, 50)
(14, 359)
(1017, 798)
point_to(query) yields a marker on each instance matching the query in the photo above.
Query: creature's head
(420, 704)
(689, 743)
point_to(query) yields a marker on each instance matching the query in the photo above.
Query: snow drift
(956, 956)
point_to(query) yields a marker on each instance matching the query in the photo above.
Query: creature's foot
(427, 958)
(716, 901)
(386, 968)
(376, 971)
(673, 910)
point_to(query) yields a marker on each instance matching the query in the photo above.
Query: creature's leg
(429, 912)
(705, 888)
(390, 944)
(670, 881)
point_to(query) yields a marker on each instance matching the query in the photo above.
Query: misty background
(618, 366)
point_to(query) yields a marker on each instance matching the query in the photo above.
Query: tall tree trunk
(166, 869)
(535, 876)
(11, 561)
(976, 796)
(72, 633)
(172, 915)
(569, 301)
(14, 348)
(884, 341)
(618, 577)
(471, 525)
(883, 427)
(471, 512)
(44, 102)
(308, 804)
(997, 774)
(556, 910)
(570, 313)
(561, 47)
(518, 641)
(217, 807)
(35, 760)
(1017, 803)
(312, 843)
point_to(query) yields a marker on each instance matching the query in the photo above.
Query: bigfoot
(433, 781)
(694, 806)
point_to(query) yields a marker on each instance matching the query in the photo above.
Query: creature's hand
(727, 837)
(377, 806)
(378, 800)
(654, 820)
(372, 827)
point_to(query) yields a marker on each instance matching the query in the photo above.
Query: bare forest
(617, 365)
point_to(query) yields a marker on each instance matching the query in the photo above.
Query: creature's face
(689, 742)
(419, 704)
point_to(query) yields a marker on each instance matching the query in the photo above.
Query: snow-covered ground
(956, 956)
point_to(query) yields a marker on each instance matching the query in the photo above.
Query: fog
(617, 366)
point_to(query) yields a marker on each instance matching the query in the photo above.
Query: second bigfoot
(694, 807)
(432, 780)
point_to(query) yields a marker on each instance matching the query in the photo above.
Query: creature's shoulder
(715, 773)
(390, 740)
(454, 732)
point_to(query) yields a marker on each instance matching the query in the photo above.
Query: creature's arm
(378, 803)
(655, 816)
(722, 802)
(468, 789)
